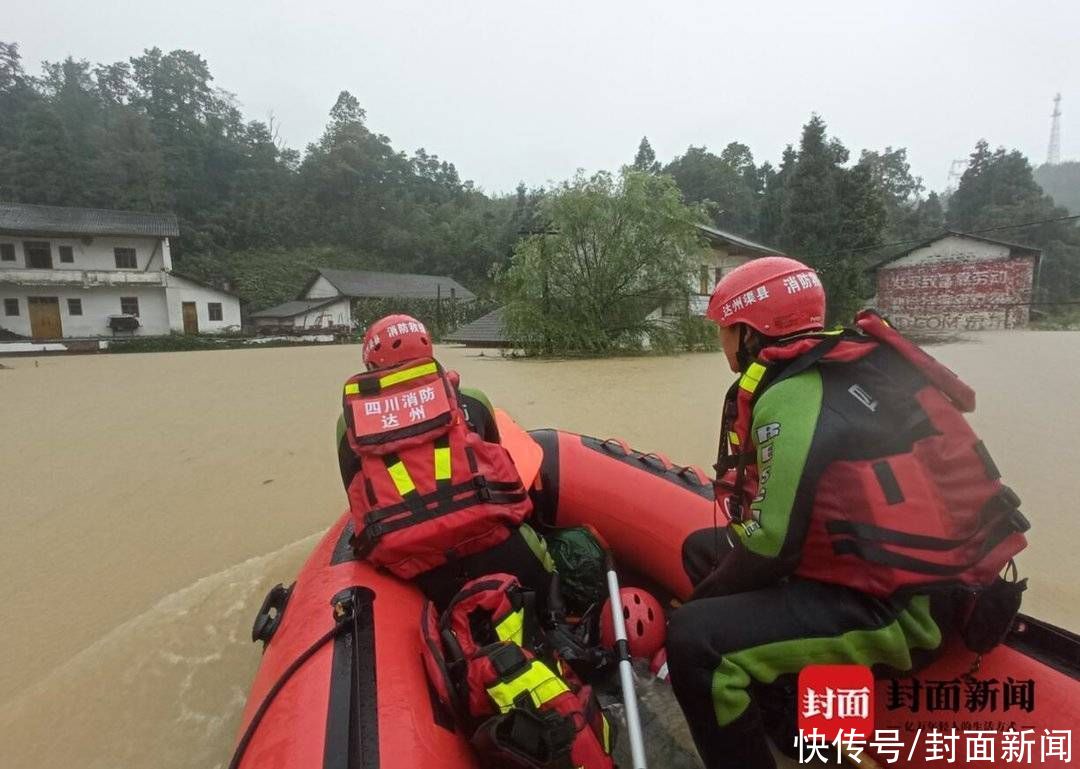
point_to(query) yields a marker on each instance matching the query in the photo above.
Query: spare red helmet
(646, 625)
(774, 295)
(395, 339)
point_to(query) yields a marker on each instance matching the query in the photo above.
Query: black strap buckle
(482, 490)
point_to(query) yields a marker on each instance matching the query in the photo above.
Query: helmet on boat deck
(774, 295)
(646, 625)
(395, 339)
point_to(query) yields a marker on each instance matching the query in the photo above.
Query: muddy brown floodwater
(147, 502)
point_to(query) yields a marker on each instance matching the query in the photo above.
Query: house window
(74, 306)
(718, 273)
(213, 310)
(38, 255)
(703, 278)
(7, 252)
(11, 307)
(129, 305)
(125, 258)
(67, 255)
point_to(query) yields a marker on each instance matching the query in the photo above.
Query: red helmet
(646, 626)
(774, 295)
(395, 339)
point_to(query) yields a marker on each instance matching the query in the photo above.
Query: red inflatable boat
(341, 684)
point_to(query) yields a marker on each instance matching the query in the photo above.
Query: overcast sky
(532, 91)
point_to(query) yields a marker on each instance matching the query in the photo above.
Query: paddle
(626, 673)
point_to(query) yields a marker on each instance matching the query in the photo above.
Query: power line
(910, 241)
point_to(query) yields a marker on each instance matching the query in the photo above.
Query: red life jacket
(428, 489)
(488, 660)
(901, 492)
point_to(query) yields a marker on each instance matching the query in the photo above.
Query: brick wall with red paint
(957, 295)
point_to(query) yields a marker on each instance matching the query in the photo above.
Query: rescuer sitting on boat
(434, 496)
(868, 522)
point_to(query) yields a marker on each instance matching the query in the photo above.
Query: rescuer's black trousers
(723, 651)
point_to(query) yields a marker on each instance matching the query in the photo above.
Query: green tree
(43, 159)
(618, 253)
(645, 159)
(833, 216)
(727, 184)
(1062, 183)
(998, 189)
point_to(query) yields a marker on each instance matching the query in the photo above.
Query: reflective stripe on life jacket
(903, 493)
(428, 489)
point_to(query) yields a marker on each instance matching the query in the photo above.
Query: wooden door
(191, 318)
(45, 317)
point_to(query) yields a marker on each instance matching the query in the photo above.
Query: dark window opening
(67, 255)
(7, 252)
(38, 255)
(213, 310)
(74, 306)
(129, 305)
(11, 307)
(125, 258)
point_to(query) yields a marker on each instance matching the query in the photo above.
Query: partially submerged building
(958, 282)
(83, 273)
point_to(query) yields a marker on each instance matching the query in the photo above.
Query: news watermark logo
(834, 699)
(836, 721)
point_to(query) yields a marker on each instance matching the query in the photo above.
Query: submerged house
(84, 273)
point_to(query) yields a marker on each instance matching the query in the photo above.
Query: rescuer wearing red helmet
(435, 498)
(394, 341)
(864, 512)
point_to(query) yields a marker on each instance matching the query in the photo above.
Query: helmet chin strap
(742, 355)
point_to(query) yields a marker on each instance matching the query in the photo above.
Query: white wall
(180, 290)
(97, 305)
(337, 314)
(951, 249)
(321, 288)
(97, 254)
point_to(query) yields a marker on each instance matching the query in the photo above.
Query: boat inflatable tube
(656, 516)
(341, 684)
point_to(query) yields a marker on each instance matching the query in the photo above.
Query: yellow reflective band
(442, 463)
(510, 629)
(538, 680)
(410, 373)
(752, 377)
(402, 480)
(733, 438)
(606, 727)
(352, 388)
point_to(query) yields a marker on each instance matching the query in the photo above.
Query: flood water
(147, 502)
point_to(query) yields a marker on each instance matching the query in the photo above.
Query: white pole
(626, 673)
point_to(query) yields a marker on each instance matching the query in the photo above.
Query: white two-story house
(80, 272)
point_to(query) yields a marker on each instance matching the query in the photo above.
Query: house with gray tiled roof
(86, 272)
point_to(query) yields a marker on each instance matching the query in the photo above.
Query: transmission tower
(1053, 152)
(956, 170)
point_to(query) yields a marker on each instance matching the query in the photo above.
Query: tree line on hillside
(154, 133)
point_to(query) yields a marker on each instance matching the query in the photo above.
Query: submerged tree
(616, 250)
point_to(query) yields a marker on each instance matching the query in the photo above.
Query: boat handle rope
(661, 459)
(343, 621)
(693, 472)
(623, 446)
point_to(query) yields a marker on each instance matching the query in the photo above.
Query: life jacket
(902, 494)
(521, 704)
(428, 489)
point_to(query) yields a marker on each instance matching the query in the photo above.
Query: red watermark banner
(836, 698)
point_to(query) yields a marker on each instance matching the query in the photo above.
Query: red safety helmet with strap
(773, 295)
(395, 339)
(428, 488)
(905, 494)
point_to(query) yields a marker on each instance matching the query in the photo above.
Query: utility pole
(1053, 151)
